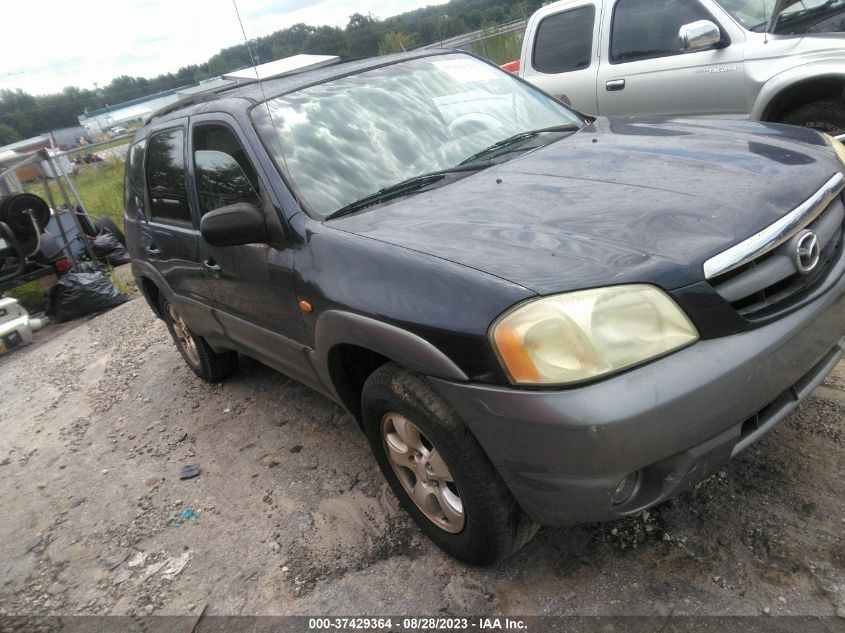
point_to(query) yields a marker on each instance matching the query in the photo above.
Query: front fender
(825, 69)
(337, 327)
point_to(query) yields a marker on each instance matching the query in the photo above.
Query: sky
(50, 44)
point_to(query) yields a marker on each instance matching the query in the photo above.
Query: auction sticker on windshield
(465, 70)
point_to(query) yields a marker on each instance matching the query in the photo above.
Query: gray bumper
(675, 421)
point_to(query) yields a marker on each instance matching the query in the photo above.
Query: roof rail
(203, 97)
(212, 94)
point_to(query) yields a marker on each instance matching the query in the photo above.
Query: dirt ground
(290, 516)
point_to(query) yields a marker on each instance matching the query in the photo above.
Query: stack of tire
(18, 211)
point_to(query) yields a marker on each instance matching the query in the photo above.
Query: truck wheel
(209, 365)
(824, 116)
(438, 470)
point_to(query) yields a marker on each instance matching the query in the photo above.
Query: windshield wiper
(401, 189)
(516, 138)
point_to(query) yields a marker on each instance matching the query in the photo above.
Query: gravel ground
(290, 516)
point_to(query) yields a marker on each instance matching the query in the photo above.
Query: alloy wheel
(422, 472)
(183, 336)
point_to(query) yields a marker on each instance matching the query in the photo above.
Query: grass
(499, 49)
(100, 185)
(30, 296)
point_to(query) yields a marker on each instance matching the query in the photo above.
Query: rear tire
(490, 525)
(825, 116)
(209, 365)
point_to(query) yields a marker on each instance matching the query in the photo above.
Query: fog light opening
(626, 488)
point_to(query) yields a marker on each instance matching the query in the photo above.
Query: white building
(98, 121)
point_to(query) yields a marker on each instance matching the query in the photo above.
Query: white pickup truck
(767, 60)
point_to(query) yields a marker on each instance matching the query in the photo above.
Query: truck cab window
(564, 41)
(645, 29)
(223, 172)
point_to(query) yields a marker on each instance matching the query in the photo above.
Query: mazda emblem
(807, 252)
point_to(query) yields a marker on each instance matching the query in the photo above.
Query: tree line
(23, 115)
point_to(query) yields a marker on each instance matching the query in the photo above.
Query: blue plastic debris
(186, 515)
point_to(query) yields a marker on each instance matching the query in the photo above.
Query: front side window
(645, 29)
(224, 174)
(564, 41)
(352, 136)
(166, 177)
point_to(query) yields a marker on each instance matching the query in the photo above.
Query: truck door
(644, 71)
(559, 55)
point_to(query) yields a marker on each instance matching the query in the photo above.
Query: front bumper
(675, 421)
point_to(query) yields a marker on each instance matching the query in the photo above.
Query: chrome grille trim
(775, 234)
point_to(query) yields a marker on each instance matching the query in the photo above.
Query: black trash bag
(107, 246)
(89, 267)
(79, 294)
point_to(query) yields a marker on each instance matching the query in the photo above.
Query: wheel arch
(151, 293)
(349, 347)
(793, 89)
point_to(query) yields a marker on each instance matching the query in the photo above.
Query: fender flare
(827, 69)
(338, 327)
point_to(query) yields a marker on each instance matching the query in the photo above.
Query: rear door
(253, 284)
(643, 70)
(168, 235)
(560, 56)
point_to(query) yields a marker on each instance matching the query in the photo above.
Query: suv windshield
(352, 136)
(755, 14)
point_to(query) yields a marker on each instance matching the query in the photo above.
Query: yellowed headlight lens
(579, 336)
(838, 148)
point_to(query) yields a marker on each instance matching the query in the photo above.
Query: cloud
(80, 43)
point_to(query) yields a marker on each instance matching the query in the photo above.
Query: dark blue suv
(537, 317)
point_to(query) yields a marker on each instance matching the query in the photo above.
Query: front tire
(209, 365)
(825, 116)
(439, 472)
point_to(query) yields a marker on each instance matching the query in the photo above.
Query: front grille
(765, 285)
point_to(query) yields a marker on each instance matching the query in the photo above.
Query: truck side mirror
(697, 36)
(234, 225)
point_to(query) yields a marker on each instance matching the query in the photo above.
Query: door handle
(152, 251)
(211, 266)
(615, 84)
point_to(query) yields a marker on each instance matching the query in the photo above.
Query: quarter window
(166, 177)
(565, 41)
(644, 29)
(133, 191)
(224, 174)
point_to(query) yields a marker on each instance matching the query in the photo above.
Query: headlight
(578, 336)
(838, 148)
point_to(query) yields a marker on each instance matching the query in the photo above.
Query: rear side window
(166, 177)
(564, 41)
(133, 201)
(224, 174)
(644, 29)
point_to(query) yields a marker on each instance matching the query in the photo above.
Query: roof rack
(203, 97)
(212, 94)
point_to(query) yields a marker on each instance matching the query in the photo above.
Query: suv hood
(828, 18)
(622, 200)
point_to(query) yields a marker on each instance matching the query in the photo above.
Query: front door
(253, 284)
(644, 72)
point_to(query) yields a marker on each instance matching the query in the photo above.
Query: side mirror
(697, 36)
(235, 225)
